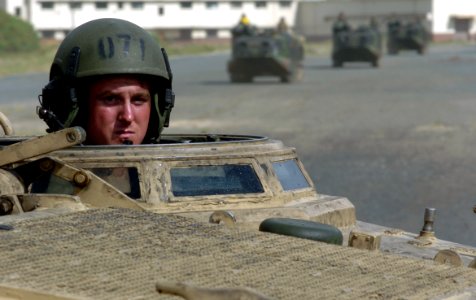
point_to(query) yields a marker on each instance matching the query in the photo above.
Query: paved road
(394, 140)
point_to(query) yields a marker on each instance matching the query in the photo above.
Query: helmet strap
(70, 77)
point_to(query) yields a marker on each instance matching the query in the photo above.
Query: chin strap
(169, 93)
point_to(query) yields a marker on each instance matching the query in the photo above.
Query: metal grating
(121, 254)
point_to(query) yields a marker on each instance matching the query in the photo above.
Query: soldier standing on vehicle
(112, 78)
(243, 27)
(340, 25)
(282, 26)
(393, 25)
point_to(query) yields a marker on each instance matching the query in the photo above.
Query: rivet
(81, 179)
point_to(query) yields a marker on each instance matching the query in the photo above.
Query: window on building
(260, 4)
(212, 33)
(161, 10)
(211, 5)
(120, 5)
(137, 5)
(18, 11)
(236, 4)
(75, 5)
(285, 3)
(47, 5)
(48, 34)
(101, 5)
(186, 4)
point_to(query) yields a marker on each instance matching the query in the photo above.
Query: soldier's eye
(109, 99)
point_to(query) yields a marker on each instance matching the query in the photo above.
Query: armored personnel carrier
(410, 36)
(363, 44)
(200, 217)
(266, 53)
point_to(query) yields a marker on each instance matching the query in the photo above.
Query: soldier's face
(118, 111)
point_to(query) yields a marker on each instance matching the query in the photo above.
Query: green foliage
(16, 35)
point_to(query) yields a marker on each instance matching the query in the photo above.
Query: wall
(447, 13)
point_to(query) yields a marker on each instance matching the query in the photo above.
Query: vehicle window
(215, 180)
(51, 184)
(290, 175)
(124, 179)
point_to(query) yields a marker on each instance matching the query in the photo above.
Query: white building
(175, 18)
(186, 19)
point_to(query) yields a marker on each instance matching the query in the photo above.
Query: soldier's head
(111, 77)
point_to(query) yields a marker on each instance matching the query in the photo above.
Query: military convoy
(255, 53)
(407, 36)
(363, 44)
(210, 216)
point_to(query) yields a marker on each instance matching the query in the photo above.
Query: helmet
(105, 47)
(244, 20)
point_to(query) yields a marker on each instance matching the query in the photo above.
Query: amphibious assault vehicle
(266, 53)
(409, 36)
(363, 44)
(200, 217)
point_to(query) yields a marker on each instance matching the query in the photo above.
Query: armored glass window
(290, 175)
(124, 179)
(215, 180)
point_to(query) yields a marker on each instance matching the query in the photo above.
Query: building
(175, 19)
(199, 19)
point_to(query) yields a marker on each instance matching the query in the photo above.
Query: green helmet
(104, 47)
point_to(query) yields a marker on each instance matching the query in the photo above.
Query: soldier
(340, 25)
(393, 25)
(282, 26)
(243, 27)
(112, 78)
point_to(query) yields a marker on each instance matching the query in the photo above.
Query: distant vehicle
(410, 36)
(363, 44)
(267, 53)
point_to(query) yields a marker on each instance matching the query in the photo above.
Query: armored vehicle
(266, 53)
(410, 36)
(363, 44)
(200, 217)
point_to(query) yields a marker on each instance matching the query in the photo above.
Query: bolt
(71, 137)
(46, 165)
(81, 179)
(6, 206)
(429, 219)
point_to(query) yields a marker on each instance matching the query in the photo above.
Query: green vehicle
(363, 44)
(267, 53)
(410, 36)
